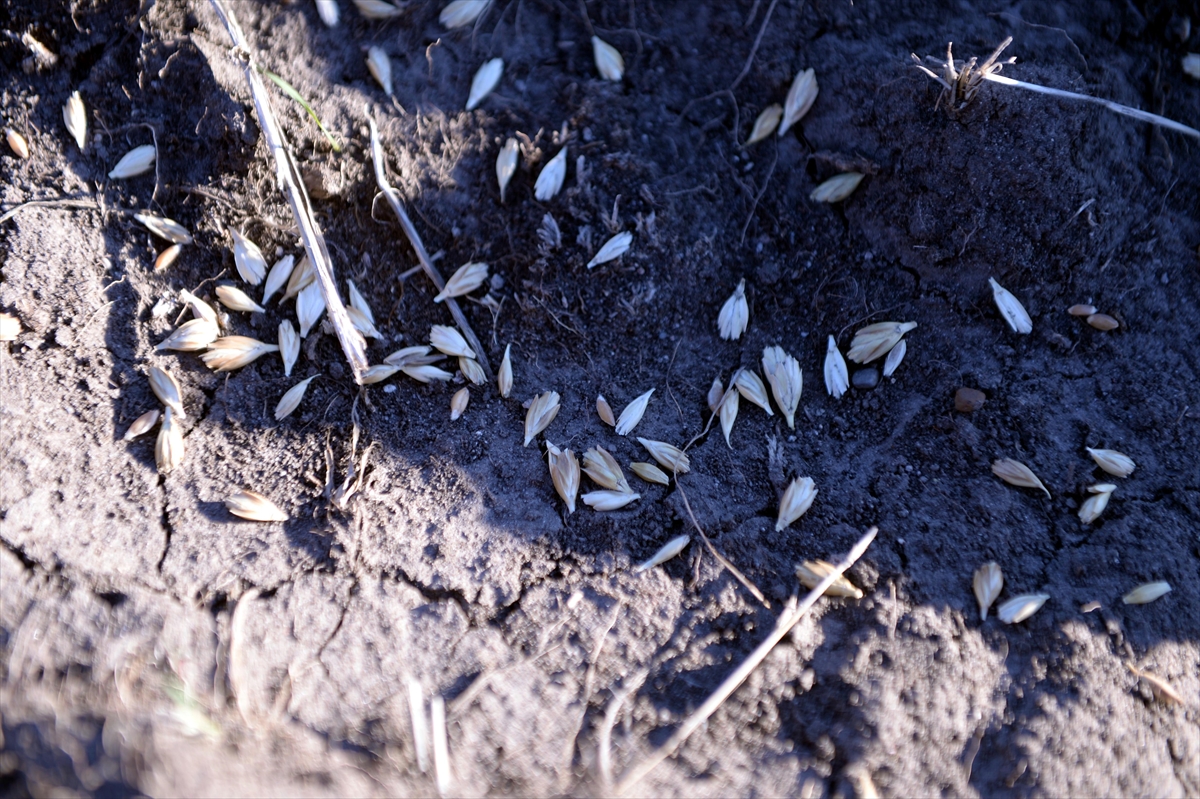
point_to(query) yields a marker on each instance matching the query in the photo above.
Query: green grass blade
(291, 92)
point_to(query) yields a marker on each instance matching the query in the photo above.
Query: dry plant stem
(293, 187)
(393, 198)
(788, 620)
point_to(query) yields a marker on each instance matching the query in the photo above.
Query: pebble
(967, 400)
(865, 379)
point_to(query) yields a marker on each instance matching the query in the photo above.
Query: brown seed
(142, 425)
(167, 257)
(17, 142)
(1161, 689)
(967, 400)
(1102, 321)
(1081, 310)
(605, 411)
(812, 572)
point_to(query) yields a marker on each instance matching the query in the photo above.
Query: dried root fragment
(1161, 689)
(604, 470)
(290, 401)
(551, 178)
(504, 377)
(837, 188)
(609, 62)
(800, 99)
(462, 12)
(614, 248)
(766, 123)
(735, 314)
(668, 551)
(541, 413)
(450, 341)
(1020, 608)
(168, 448)
(233, 352)
(137, 161)
(633, 414)
(310, 304)
(192, 335)
(1011, 309)
(564, 473)
(255, 507)
(142, 425)
(797, 499)
(1018, 474)
(75, 117)
(609, 500)
(248, 258)
(605, 411)
(466, 279)
(786, 379)
(165, 228)
(837, 376)
(1113, 462)
(875, 341)
(728, 412)
(1102, 321)
(751, 387)
(1146, 593)
(506, 164)
(484, 81)
(650, 473)
(1094, 505)
(668, 455)
(812, 572)
(988, 583)
(166, 388)
(458, 403)
(380, 67)
(895, 358)
(235, 299)
(10, 327)
(376, 9)
(289, 346)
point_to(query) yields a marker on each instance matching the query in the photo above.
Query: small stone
(967, 400)
(865, 379)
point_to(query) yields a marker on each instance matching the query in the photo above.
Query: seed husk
(837, 188)
(248, 258)
(235, 299)
(377, 9)
(166, 388)
(668, 551)
(604, 470)
(614, 248)
(379, 372)
(165, 228)
(1102, 321)
(1020, 608)
(504, 377)
(1018, 474)
(506, 164)
(472, 370)
(1161, 689)
(668, 455)
(1094, 505)
(1081, 310)
(564, 473)
(968, 400)
(797, 499)
(142, 425)
(650, 473)
(167, 257)
(359, 303)
(200, 308)
(609, 62)
(461, 12)
(786, 379)
(604, 410)
(800, 99)
(458, 403)
(541, 413)
(233, 352)
(361, 322)
(450, 341)
(484, 81)
(10, 327)
(735, 314)
(380, 67)
(988, 583)
(1191, 65)
(466, 279)
(17, 143)
(1011, 309)
(310, 304)
(1113, 462)
(327, 10)
(255, 507)
(423, 373)
(837, 376)
(289, 346)
(875, 341)
(550, 179)
(278, 276)
(137, 161)
(609, 500)
(895, 358)
(1146, 592)
(752, 388)
(410, 356)
(715, 392)
(291, 399)
(168, 448)
(192, 335)
(301, 278)
(728, 411)
(633, 414)
(812, 572)
(766, 123)
(75, 116)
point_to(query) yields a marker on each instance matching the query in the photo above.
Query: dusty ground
(151, 643)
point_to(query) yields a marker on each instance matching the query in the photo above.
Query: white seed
(278, 276)
(137, 161)
(167, 257)
(466, 279)
(875, 341)
(450, 341)
(603, 468)
(735, 314)
(751, 387)
(166, 388)
(1020, 608)
(605, 411)
(715, 392)
(192, 335)
(248, 258)
(837, 376)
(458, 403)
(786, 380)
(609, 500)
(633, 414)
(1147, 592)
(797, 499)
(504, 377)
(812, 572)
(233, 352)
(667, 455)
(289, 346)
(412, 356)
(1094, 505)
(541, 413)
(800, 98)
(310, 304)
(988, 582)
(506, 164)
(200, 308)
(75, 115)
(484, 81)
(377, 9)
(378, 373)
(895, 358)
(301, 278)
(837, 188)
(472, 370)
(358, 302)
(168, 448)
(728, 411)
(423, 373)
(235, 299)
(1113, 462)
(650, 473)
(380, 67)
(766, 123)
(142, 425)
(609, 62)
(462, 12)
(10, 327)
(564, 473)
(165, 228)
(668, 551)
(255, 507)
(1191, 65)
(17, 143)
(1016, 473)
(327, 10)
(550, 180)
(290, 401)
(614, 248)
(361, 323)
(1011, 309)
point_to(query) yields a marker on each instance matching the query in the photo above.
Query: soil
(151, 643)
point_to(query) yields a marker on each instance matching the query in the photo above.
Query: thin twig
(788, 620)
(290, 183)
(393, 198)
(88, 205)
(757, 41)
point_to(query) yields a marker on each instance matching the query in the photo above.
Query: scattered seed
(564, 473)
(75, 115)
(609, 62)
(361, 322)
(380, 372)
(504, 377)
(1102, 321)
(797, 499)
(137, 161)
(812, 572)
(290, 401)
(458, 403)
(750, 387)
(1147, 592)
(728, 411)
(165, 228)
(1081, 310)
(248, 258)
(310, 304)
(875, 341)
(359, 303)
(895, 358)
(865, 379)
(837, 377)
(168, 448)
(735, 314)
(192, 335)
(468, 278)
(786, 379)
(484, 81)
(450, 341)
(1020, 608)
(968, 400)
(472, 370)
(142, 425)
(412, 356)
(988, 582)
(541, 413)
(715, 392)
(837, 188)
(633, 414)
(166, 388)
(614, 248)
(1113, 462)
(1094, 505)
(327, 10)
(255, 507)
(667, 455)
(650, 473)
(301, 278)
(506, 164)
(605, 411)
(1017, 474)
(668, 551)
(603, 468)
(550, 180)
(233, 352)
(167, 257)
(462, 12)
(10, 327)
(800, 99)
(289, 346)
(766, 123)
(423, 373)
(200, 308)
(1088, 607)
(609, 500)
(1011, 309)
(1161, 689)
(377, 9)
(235, 299)
(380, 67)
(1191, 65)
